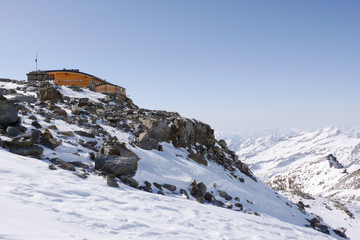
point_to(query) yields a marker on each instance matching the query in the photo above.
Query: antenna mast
(36, 60)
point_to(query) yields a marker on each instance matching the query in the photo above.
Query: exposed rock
(117, 165)
(334, 162)
(49, 93)
(13, 131)
(198, 191)
(52, 167)
(79, 164)
(80, 174)
(2, 98)
(161, 192)
(49, 141)
(117, 149)
(184, 193)
(32, 150)
(223, 194)
(217, 203)
(208, 197)
(341, 232)
(199, 158)
(60, 112)
(158, 186)
(62, 164)
(36, 124)
(85, 134)
(67, 133)
(8, 112)
(129, 181)
(239, 205)
(111, 181)
(169, 187)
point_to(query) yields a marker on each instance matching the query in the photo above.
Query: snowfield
(37, 203)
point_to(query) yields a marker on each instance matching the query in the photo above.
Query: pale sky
(233, 64)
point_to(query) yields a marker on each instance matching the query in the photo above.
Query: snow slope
(304, 155)
(299, 162)
(37, 203)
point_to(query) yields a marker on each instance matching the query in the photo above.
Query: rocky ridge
(107, 136)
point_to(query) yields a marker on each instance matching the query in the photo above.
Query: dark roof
(65, 70)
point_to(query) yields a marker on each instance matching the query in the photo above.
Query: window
(80, 80)
(59, 80)
(64, 80)
(69, 80)
(75, 80)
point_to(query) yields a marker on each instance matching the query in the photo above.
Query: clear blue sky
(233, 64)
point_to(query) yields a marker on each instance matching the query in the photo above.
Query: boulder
(223, 194)
(85, 134)
(199, 158)
(49, 94)
(13, 131)
(116, 165)
(129, 181)
(117, 149)
(49, 141)
(169, 187)
(66, 133)
(198, 191)
(60, 112)
(111, 181)
(36, 124)
(8, 113)
(32, 150)
(62, 164)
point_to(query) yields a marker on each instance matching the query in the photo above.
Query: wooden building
(73, 77)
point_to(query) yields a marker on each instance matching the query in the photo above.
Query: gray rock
(239, 205)
(36, 124)
(161, 192)
(60, 112)
(52, 167)
(117, 165)
(208, 197)
(169, 187)
(32, 150)
(117, 149)
(49, 94)
(223, 194)
(129, 181)
(198, 191)
(199, 158)
(85, 134)
(79, 164)
(62, 164)
(158, 185)
(8, 113)
(111, 181)
(217, 203)
(13, 131)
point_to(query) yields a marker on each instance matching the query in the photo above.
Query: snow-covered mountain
(323, 164)
(104, 168)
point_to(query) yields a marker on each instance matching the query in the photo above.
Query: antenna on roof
(36, 60)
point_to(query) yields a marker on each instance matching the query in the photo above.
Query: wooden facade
(73, 77)
(110, 88)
